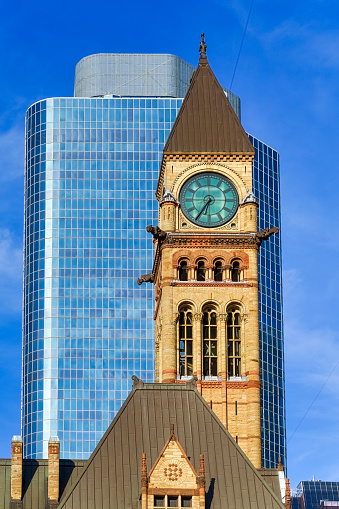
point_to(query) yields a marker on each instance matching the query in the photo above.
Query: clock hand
(204, 208)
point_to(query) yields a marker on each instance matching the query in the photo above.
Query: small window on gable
(201, 271)
(186, 501)
(235, 271)
(183, 270)
(218, 271)
(159, 501)
(168, 501)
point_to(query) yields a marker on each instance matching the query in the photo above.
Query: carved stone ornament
(157, 232)
(146, 278)
(175, 318)
(192, 382)
(222, 317)
(204, 241)
(172, 471)
(197, 317)
(265, 234)
(137, 383)
(168, 198)
(249, 198)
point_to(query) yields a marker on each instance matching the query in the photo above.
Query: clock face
(209, 199)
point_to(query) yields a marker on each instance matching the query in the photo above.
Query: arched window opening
(218, 271)
(185, 343)
(201, 271)
(235, 271)
(183, 271)
(210, 343)
(234, 342)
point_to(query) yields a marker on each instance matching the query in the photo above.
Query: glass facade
(92, 165)
(315, 494)
(266, 188)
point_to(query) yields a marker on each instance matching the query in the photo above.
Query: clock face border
(192, 205)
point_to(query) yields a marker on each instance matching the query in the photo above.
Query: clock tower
(206, 262)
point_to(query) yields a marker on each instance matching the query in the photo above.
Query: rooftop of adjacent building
(314, 493)
(136, 75)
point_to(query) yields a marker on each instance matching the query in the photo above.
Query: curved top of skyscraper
(136, 75)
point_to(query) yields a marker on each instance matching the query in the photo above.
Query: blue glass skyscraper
(92, 164)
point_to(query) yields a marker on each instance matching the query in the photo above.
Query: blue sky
(287, 79)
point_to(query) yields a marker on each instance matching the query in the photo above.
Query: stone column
(53, 469)
(169, 340)
(167, 216)
(16, 468)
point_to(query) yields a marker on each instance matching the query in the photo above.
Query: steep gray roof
(112, 476)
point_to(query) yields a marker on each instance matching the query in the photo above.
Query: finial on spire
(280, 465)
(202, 47)
(172, 432)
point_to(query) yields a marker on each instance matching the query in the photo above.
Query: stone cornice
(205, 240)
(192, 283)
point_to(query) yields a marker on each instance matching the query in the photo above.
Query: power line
(309, 408)
(242, 41)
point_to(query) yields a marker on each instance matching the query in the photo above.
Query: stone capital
(197, 317)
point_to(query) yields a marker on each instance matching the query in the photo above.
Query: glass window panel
(189, 347)
(186, 501)
(159, 501)
(214, 370)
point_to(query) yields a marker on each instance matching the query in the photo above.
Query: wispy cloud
(10, 273)
(12, 149)
(305, 43)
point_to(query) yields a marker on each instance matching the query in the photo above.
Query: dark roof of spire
(206, 121)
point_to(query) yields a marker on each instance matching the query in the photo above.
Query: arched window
(218, 271)
(235, 271)
(210, 343)
(185, 343)
(234, 342)
(201, 271)
(183, 271)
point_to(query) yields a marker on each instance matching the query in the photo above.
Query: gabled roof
(206, 122)
(112, 477)
(163, 454)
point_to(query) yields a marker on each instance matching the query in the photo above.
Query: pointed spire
(202, 50)
(280, 465)
(202, 466)
(172, 435)
(143, 471)
(206, 122)
(201, 478)
(288, 501)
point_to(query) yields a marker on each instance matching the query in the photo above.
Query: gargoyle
(157, 232)
(192, 382)
(265, 234)
(146, 278)
(137, 382)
